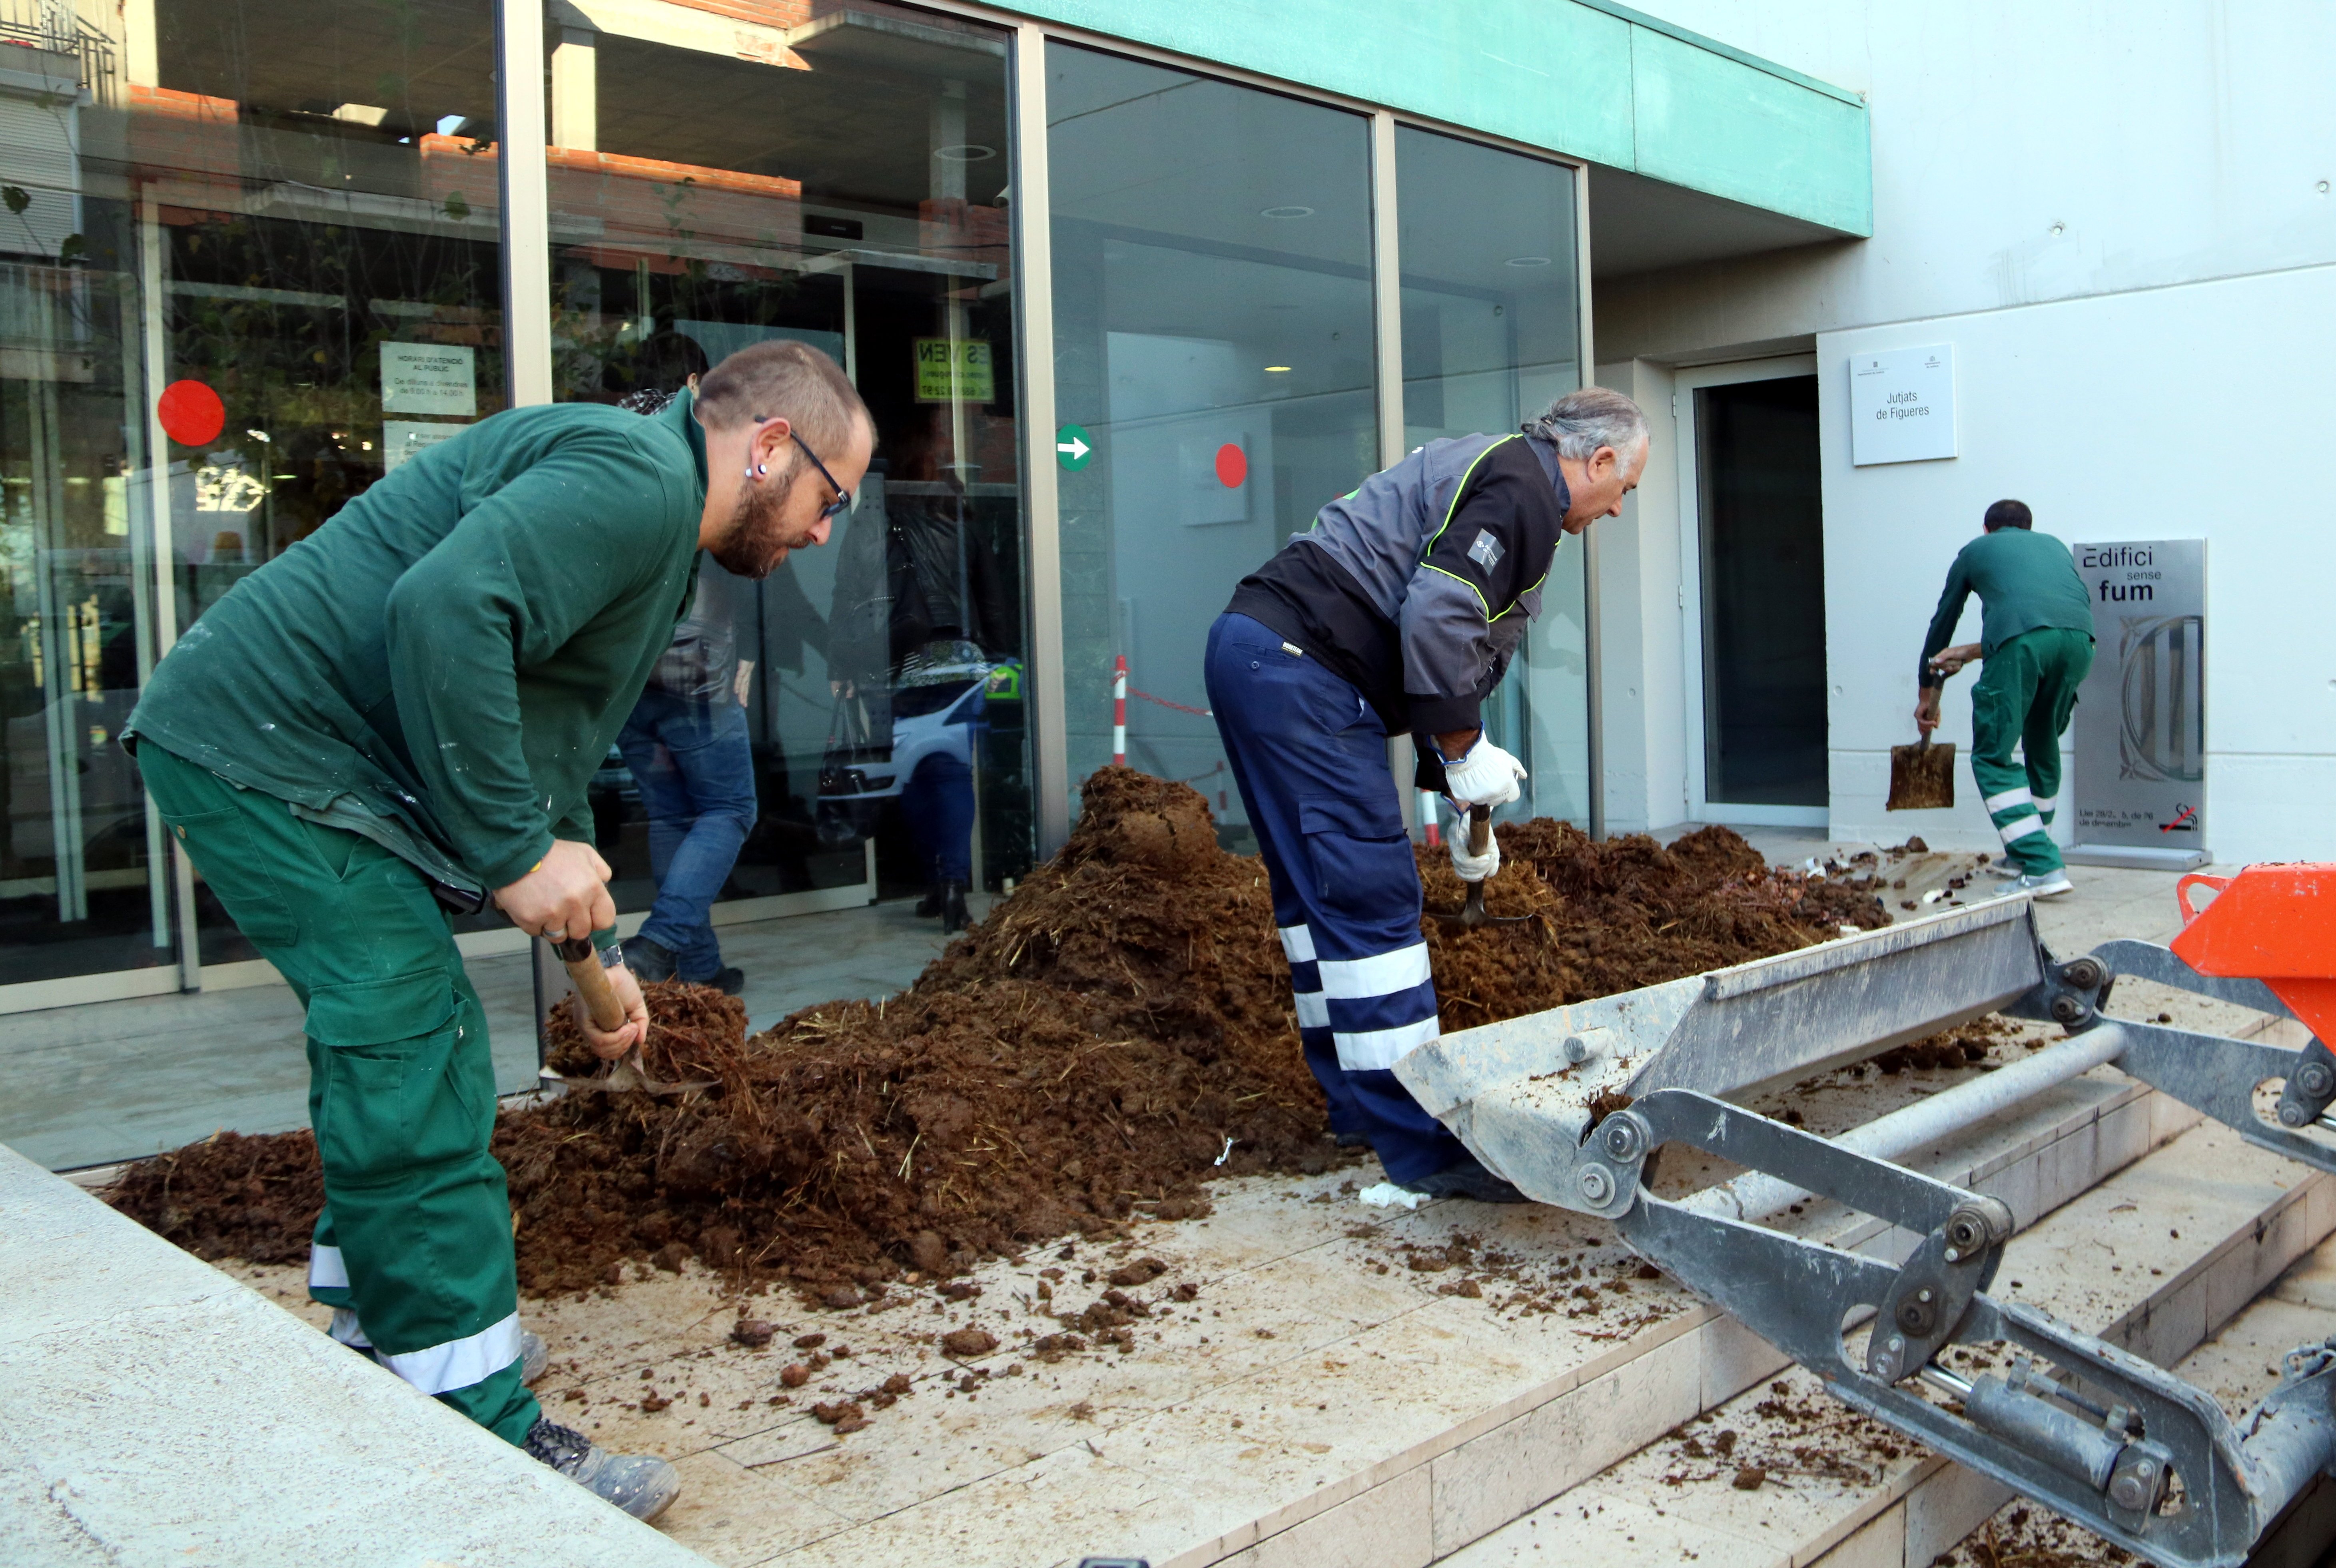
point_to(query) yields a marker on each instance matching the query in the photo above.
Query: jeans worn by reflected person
(696, 770)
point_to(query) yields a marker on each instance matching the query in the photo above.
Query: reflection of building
(1128, 317)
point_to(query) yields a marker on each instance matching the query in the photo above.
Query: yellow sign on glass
(973, 380)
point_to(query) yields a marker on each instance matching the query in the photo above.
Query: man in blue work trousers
(1398, 610)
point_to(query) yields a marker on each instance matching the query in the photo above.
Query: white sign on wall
(429, 378)
(1902, 406)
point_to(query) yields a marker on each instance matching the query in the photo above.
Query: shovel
(591, 981)
(1471, 910)
(1921, 777)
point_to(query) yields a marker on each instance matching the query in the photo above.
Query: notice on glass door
(401, 438)
(429, 378)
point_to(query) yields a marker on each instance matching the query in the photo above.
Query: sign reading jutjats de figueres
(2140, 772)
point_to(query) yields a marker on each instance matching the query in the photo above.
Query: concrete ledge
(158, 1412)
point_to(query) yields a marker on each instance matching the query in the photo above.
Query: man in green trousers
(2036, 637)
(398, 716)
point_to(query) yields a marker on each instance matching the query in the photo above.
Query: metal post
(1592, 631)
(1034, 307)
(1387, 326)
(526, 201)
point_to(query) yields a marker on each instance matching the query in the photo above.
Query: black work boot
(729, 980)
(650, 960)
(1468, 1179)
(642, 1485)
(954, 915)
(930, 904)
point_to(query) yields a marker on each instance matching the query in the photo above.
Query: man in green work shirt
(399, 716)
(2035, 636)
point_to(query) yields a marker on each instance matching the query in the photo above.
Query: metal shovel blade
(1472, 908)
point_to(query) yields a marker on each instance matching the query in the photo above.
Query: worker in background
(2036, 637)
(399, 716)
(1398, 610)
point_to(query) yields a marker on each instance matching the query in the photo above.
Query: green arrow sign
(1073, 448)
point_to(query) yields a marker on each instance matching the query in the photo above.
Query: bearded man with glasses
(398, 718)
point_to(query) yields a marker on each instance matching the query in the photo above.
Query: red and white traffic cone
(1119, 712)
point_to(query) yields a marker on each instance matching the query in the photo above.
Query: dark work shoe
(649, 960)
(642, 1485)
(729, 981)
(1467, 1180)
(1352, 1140)
(954, 913)
(930, 904)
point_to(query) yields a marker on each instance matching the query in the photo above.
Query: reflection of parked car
(934, 713)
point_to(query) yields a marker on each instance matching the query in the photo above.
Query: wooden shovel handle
(583, 962)
(1480, 828)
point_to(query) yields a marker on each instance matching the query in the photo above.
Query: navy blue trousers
(1311, 759)
(939, 801)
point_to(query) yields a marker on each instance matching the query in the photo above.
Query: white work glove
(1486, 776)
(1473, 867)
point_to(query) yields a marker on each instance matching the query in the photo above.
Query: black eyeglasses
(842, 502)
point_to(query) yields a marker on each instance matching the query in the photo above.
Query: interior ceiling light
(1277, 369)
(1287, 212)
(1526, 261)
(965, 152)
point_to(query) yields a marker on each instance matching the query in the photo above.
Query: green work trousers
(2027, 691)
(413, 1249)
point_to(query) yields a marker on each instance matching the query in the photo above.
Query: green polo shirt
(444, 664)
(2025, 580)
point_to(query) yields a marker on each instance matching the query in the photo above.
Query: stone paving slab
(155, 1411)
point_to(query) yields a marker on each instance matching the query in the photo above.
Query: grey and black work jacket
(1417, 586)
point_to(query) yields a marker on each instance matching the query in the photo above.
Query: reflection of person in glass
(1399, 610)
(687, 747)
(920, 612)
(404, 711)
(686, 741)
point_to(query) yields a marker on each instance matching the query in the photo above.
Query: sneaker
(955, 916)
(649, 960)
(2049, 885)
(642, 1485)
(1467, 1180)
(2005, 868)
(534, 1356)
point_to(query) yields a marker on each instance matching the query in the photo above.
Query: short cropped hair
(2010, 514)
(1580, 423)
(783, 377)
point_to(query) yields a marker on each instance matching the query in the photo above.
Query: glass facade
(254, 254)
(845, 187)
(1491, 337)
(1213, 338)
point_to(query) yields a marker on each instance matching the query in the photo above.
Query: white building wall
(2119, 215)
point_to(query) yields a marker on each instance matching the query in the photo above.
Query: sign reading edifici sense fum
(2141, 720)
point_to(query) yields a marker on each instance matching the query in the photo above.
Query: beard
(757, 539)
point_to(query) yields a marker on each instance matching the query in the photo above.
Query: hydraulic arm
(2100, 1435)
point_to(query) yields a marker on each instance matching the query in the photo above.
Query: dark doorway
(1764, 640)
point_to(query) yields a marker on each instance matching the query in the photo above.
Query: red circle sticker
(1232, 466)
(191, 413)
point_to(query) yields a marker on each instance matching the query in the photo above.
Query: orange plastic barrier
(2275, 924)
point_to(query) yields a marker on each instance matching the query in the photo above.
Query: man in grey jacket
(1398, 610)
